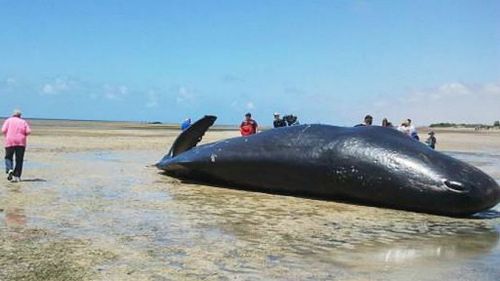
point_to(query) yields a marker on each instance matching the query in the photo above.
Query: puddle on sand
(157, 227)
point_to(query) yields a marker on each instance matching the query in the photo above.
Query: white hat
(276, 114)
(17, 112)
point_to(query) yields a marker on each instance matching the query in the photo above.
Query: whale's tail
(191, 136)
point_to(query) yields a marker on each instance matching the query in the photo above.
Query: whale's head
(416, 176)
(461, 188)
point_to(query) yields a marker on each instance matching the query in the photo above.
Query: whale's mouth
(456, 186)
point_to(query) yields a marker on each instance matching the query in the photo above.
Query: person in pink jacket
(16, 130)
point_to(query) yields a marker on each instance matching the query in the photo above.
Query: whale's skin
(364, 165)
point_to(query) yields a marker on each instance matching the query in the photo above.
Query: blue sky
(325, 61)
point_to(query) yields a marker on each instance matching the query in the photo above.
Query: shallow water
(157, 228)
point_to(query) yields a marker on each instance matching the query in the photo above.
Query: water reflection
(493, 213)
(13, 209)
(450, 247)
(317, 236)
(15, 217)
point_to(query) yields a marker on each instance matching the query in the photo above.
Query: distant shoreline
(149, 123)
(116, 125)
(76, 120)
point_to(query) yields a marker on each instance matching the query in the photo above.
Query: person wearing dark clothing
(248, 126)
(18, 152)
(386, 123)
(368, 121)
(431, 140)
(291, 120)
(278, 122)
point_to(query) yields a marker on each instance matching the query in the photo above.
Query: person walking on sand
(16, 130)
(248, 126)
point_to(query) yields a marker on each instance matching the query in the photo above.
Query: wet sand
(90, 208)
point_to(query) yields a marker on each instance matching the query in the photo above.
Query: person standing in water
(16, 131)
(248, 126)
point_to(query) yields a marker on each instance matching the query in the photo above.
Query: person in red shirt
(248, 126)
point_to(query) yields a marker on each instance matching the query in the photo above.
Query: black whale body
(369, 165)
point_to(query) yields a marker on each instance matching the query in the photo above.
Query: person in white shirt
(404, 128)
(413, 132)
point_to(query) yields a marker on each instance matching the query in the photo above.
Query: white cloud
(250, 105)
(48, 89)
(152, 100)
(57, 86)
(10, 81)
(450, 102)
(115, 92)
(184, 95)
(454, 89)
(76, 87)
(239, 105)
(492, 89)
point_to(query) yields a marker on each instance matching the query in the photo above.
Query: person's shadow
(34, 180)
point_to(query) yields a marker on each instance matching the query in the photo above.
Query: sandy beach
(91, 207)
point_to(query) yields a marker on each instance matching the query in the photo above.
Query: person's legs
(19, 150)
(9, 155)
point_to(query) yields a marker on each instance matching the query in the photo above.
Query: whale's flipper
(192, 135)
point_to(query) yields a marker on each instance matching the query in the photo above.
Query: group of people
(287, 120)
(406, 128)
(249, 126)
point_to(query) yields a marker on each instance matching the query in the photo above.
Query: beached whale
(364, 165)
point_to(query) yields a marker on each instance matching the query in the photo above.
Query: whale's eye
(456, 186)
